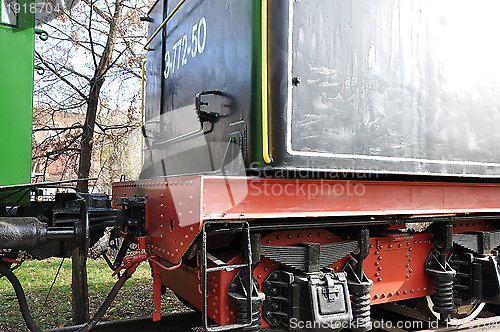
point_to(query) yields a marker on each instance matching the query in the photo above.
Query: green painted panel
(16, 99)
(256, 119)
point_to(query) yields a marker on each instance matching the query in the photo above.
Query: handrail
(163, 25)
(265, 89)
(142, 110)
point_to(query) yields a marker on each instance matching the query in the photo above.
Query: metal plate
(394, 87)
(172, 213)
(207, 45)
(16, 106)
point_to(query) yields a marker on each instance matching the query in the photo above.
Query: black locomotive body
(378, 87)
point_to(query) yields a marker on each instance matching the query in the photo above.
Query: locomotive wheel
(465, 313)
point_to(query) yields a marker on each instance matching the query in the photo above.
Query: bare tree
(96, 83)
(92, 65)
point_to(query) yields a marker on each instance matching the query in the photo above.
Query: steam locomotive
(305, 160)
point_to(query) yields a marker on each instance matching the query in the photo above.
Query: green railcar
(17, 35)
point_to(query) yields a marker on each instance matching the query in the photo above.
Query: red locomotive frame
(177, 207)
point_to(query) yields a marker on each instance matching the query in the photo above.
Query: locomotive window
(8, 12)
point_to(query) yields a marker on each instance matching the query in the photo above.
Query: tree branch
(60, 76)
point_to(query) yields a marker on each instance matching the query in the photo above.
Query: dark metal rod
(60, 233)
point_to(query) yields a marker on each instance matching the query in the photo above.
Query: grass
(135, 299)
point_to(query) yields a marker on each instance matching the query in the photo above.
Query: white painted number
(168, 64)
(179, 43)
(194, 41)
(181, 50)
(174, 48)
(185, 44)
(201, 46)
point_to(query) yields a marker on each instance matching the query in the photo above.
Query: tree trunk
(88, 134)
(79, 285)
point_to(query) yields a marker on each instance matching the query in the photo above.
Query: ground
(135, 299)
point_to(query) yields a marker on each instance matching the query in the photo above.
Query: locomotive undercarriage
(249, 267)
(310, 270)
(305, 283)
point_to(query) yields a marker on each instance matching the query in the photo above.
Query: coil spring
(443, 297)
(361, 312)
(243, 317)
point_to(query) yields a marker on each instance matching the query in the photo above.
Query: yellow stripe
(163, 24)
(265, 89)
(142, 111)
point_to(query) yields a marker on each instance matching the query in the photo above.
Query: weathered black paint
(179, 143)
(345, 95)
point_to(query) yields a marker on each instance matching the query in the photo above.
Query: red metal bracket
(131, 263)
(153, 260)
(157, 267)
(156, 290)
(141, 242)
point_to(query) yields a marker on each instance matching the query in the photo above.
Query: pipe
(23, 305)
(163, 266)
(21, 298)
(143, 73)
(22, 233)
(26, 233)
